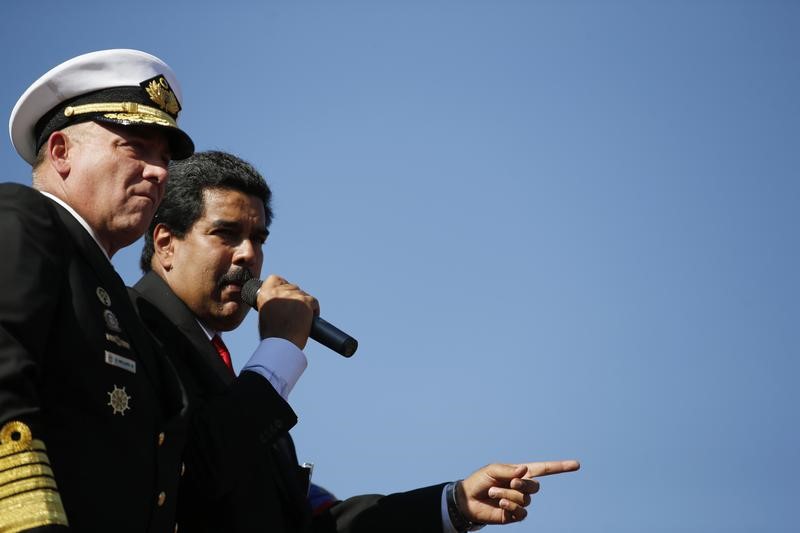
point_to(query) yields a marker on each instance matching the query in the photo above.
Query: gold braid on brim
(28, 494)
(128, 111)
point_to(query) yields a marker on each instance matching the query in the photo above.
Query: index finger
(547, 468)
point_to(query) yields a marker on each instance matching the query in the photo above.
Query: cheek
(192, 265)
(217, 265)
(160, 188)
(211, 274)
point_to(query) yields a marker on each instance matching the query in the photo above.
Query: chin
(132, 228)
(231, 320)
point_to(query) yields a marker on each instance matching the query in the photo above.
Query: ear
(58, 152)
(163, 247)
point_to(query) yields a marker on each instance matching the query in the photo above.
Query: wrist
(456, 501)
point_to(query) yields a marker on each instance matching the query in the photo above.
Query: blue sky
(558, 230)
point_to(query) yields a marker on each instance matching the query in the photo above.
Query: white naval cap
(121, 86)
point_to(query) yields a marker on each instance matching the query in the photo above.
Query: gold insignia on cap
(119, 400)
(28, 494)
(124, 111)
(159, 92)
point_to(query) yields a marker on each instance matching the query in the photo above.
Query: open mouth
(231, 286)
(231, 291)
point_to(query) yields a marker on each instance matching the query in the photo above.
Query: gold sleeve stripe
(22, 458)
(23, 472)
(27, 485)
(28, 494)
(31, 509)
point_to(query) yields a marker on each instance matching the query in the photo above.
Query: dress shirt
(277, 360)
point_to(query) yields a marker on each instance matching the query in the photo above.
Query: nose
(246, 253)
(156, 173)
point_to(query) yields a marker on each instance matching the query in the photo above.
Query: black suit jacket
(262, 489)
(79, 371)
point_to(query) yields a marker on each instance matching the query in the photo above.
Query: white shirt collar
(80, 220)
(209, 332)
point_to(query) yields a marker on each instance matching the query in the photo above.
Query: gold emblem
(159, 92)
(103, 296)
(119, 400)
(125, 111)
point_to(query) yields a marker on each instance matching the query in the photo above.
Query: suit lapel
(156, 291)
(115, 288)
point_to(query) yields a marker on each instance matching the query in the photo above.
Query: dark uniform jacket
(263, 490)
(90, 415)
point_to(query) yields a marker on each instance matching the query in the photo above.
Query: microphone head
(249, 292)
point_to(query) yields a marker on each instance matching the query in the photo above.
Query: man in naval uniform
(203, 244)
(92, 419)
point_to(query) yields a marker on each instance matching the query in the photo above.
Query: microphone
(322, 331)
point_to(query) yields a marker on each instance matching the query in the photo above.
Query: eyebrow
(233, 225)
(146, 135)
(220, 223)
(143, 133)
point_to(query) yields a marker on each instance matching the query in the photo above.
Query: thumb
(503, 471)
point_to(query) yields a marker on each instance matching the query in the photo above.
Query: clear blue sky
(558, 229)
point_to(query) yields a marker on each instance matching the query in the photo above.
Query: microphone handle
(329, 335)
(322, 331)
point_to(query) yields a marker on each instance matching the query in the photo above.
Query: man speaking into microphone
(204, 244)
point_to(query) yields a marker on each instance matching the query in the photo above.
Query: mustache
(237, 276)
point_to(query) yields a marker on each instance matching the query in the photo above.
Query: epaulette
(29, 497)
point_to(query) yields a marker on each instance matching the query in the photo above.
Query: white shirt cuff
(280, 362)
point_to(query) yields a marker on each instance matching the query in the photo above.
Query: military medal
(119, 341)
(119, 400)
(103, 296)
(111, 321)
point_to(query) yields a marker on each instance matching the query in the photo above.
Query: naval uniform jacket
(263, 489)
(91, 415)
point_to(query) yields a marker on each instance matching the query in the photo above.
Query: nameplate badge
(121, 362)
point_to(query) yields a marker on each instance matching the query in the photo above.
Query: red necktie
(223, 352)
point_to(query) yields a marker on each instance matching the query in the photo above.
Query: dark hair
(183, 202)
